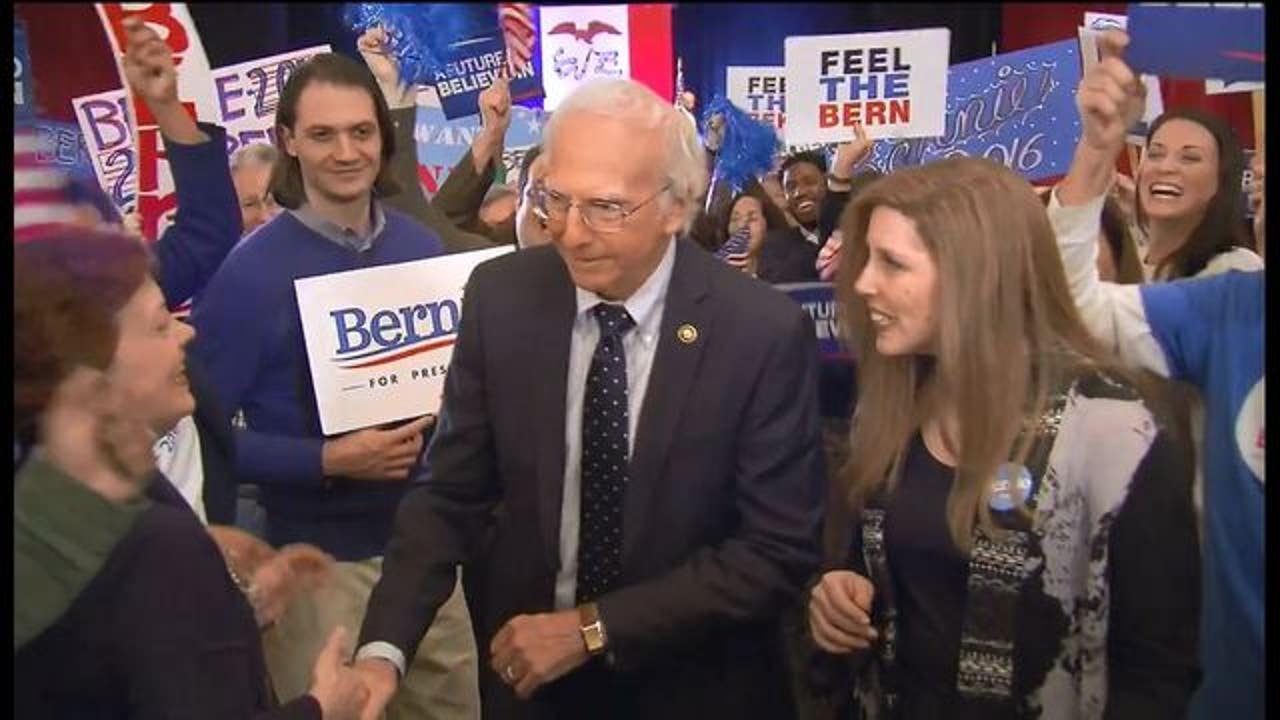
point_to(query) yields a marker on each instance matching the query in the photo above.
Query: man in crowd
(251, 172)
(335, 137)
(628, 455)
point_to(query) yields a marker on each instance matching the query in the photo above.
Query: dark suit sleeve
(778, 496)
(207, 223)
(444, 514)
(412, 201)
(1154, 573)
(463, 191)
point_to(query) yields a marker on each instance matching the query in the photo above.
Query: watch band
(593, 632)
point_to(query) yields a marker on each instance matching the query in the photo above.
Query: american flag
(39, 191)
(516, 20)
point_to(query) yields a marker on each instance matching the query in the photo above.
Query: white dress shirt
(646, 306)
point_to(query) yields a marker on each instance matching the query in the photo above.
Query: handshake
(347, 691)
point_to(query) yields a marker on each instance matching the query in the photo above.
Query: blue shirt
(1211, 332)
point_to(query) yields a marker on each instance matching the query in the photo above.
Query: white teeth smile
(805, 205)
(1165, 190)
(879, 319)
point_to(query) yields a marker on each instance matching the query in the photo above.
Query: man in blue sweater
(335, 137)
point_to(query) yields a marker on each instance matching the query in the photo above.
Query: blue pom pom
(421, 35)
(748, 147)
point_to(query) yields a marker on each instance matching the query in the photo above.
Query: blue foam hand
(748, 146)
(421, 35)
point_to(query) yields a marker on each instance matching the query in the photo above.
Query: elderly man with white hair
(627, 458)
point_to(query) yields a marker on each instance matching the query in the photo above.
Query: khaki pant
(441, 682)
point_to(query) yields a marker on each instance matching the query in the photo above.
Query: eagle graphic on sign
(594, 28)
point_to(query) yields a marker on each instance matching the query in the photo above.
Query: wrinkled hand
(87, 433)
(373, 47)
(533, 650)
(829, 256)
(1111, 98)
(380, 679)
(851, 152)
(338, 687)
(495, 107)
(374, 454)
(148, 65)
(840, 612)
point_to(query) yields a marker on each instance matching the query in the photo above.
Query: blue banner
(443, 142)
(818, 299)
(474, 67)
(24, 101)
(60, 144)
(1226, 43)
(1017, 109)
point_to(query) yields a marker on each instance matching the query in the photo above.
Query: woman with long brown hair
(1008, 481)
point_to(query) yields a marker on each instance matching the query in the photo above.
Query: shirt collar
(346, 237)
(644, 302)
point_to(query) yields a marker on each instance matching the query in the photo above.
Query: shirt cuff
(383, 651)
(1071, 222)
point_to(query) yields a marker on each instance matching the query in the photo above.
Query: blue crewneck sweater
(249, 336)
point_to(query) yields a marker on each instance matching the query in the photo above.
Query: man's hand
(850, 153)
(148, 66)
(829, 256)
(374, 454)
(840, 612)
(337, 687)
(372, 45)
(495, 118)
(533, 650)
(380, 678)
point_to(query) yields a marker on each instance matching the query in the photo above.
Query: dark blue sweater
(249, 337)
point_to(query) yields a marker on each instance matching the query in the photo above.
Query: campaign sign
(61, 145)
(245, 94)
(818, 299)
(442, 143)
(580, 43)
(1225, 43)
(476, 63)
(760, 90)
(379, 339)
(24, 101)
(1095, 24)
(1017, 109)
(893, 83)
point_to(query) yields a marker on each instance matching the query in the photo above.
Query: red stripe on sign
(401, 355)
(651, 50)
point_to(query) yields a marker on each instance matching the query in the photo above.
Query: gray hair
(254, 153)
(633, 103)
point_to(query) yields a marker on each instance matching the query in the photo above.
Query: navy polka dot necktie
(604, 457)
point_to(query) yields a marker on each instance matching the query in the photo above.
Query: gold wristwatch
(592, 628)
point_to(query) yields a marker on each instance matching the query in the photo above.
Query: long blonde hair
(1008, 330)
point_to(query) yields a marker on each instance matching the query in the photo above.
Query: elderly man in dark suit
(628, 455)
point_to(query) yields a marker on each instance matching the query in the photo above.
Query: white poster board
(760, 90)
(580, 43)
(893, 83)
(379, 339)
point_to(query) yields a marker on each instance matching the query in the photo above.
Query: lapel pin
(687, 334)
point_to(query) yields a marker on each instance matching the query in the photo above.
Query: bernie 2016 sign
(1017, 109)
(893, 83)
(379, 340)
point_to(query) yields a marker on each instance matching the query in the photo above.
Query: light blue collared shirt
(335, 233)
(645, 306)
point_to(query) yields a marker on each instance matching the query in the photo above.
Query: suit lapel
(675, 366)
(553, 311)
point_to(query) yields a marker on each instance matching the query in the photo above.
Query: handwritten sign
(474, 67)
(156, 200)
(246, 96)
(379, 340)
(1226, 43)
(580, 43)
(760, 90)
(1017, 109)
(893, 83)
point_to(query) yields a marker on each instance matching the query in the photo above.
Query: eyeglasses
(603, 216)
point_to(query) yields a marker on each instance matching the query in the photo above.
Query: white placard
(580, 43)
(379, 339)
(894, 83)
(1095, 25)
(760, 90)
